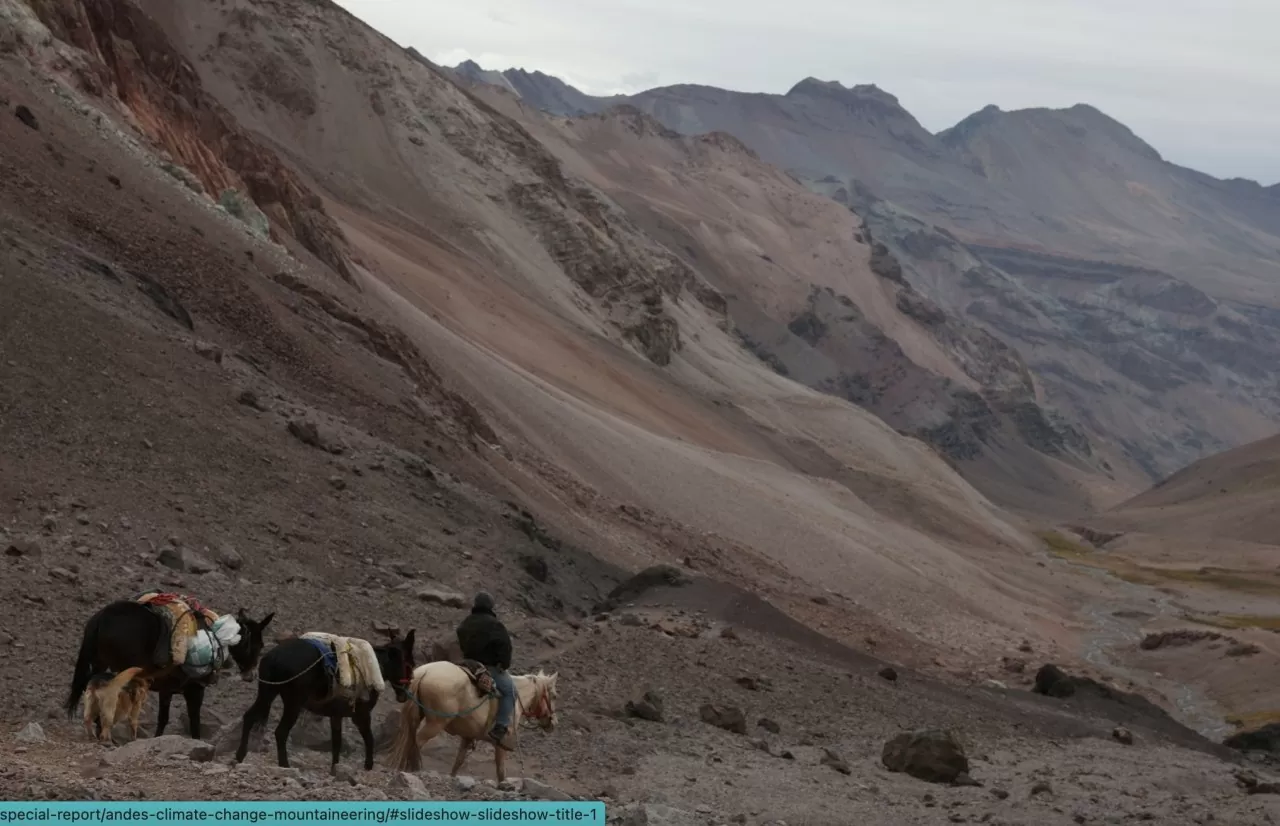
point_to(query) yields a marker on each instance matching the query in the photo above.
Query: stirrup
(505, 741)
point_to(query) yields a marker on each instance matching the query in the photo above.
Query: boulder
(656, 576)
(228, 739)
(537, 790)
(413, 786)
(1252, 785)
(755, 683)
(835, 761)
(211, 723)
(28, 119)
(1052, 681)
(156, 749)
(69, 577)
(313, 732)
(228, 557)
(729, 718)
(649, 708)
(1181, 636)
(24, 546)
(30, 733)
(536, 567)
(1265, 739)
(889, 673)
(1122, 735)
(1014, 665)
(185, 560)
(769, 725)
(306, 432)
(439, 596)
(932, 755)
(250, 399)
(207, 350)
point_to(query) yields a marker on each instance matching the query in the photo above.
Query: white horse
(443, 698)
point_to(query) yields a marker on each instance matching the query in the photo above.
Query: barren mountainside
(295, 322)
(1141, 294)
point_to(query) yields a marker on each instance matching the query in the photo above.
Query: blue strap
(327, 655)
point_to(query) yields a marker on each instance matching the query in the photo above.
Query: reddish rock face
(133, 64)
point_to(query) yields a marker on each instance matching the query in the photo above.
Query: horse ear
(266, 621)
(408, 640)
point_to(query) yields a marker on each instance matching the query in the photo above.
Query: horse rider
(483, 638)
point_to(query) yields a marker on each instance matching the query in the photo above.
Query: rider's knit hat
(483, 602)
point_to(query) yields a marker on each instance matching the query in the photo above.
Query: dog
(111, 698)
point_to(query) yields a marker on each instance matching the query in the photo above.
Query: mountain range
(1143, 297)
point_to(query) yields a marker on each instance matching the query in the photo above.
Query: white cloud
(1196, 78)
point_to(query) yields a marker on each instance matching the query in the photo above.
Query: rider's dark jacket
(483, 638)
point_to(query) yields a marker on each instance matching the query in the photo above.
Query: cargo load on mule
(198, 640)
(179, 646)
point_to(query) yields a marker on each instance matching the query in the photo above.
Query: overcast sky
(1198, 79)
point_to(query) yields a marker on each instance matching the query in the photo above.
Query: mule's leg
(500, 762)
(287, 719)
(364, 722)
(162, 716)
(193, 693)
(255, 716)
(335, 739)
(465, 745)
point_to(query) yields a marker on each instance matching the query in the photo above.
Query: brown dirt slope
(602, 360)
(1231, 495)
(808, 292)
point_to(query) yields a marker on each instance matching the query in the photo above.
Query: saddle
(479, 676)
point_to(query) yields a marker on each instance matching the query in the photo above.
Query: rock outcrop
(129, 62)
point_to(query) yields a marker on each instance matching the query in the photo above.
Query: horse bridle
(407, 665)
(542, 709)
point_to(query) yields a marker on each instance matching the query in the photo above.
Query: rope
(319, 660)
(447, 715)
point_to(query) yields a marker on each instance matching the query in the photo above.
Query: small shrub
(240, 207)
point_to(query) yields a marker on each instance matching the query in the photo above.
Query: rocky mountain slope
(810, 293)
(1142, 295)
(290, 321)
(583, 369)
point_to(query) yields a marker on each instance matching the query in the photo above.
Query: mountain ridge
(967, 210)
(473, 69)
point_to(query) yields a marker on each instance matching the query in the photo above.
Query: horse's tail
(84, 665)
(405, 753)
